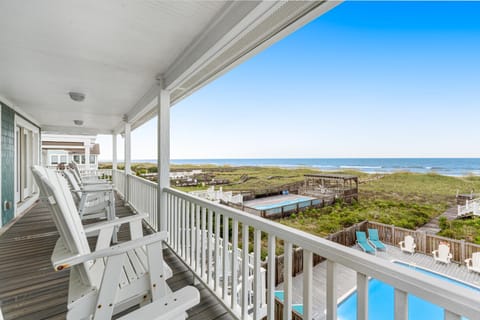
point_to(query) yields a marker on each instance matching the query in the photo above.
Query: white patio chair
(473, 263)
(84, 179)
(442, 254)
(408, 245)
(94, 201)
(112, 279)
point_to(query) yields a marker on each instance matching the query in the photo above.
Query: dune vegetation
(403, 199)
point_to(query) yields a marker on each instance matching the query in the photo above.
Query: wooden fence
(426, 243)
(389, 234)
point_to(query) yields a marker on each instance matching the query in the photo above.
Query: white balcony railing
(470, 207)
(190, 221)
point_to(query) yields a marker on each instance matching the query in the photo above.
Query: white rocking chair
(84, 179)
(442, 254)
(408, 245)
(473, 263)
(95, 201)
(112, 279)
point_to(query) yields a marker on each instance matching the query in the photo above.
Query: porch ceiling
(113, 51)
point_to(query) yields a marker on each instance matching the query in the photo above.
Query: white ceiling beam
(231, 26)
(75, 130)
(227, 25)
(144, 105)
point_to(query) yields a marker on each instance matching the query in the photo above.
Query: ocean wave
(361, 167)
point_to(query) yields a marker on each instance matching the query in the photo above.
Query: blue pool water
(283, 203)
(380, 301)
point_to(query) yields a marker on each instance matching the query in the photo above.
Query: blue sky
(367, 79)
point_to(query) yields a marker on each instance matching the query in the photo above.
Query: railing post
(307, 284)
(331, 291)
(400, 305)
(128, 155)
(462, 251)
(163, 154)
(362, 296)
(114, 156)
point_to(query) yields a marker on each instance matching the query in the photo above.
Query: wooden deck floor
(30, 289)
(346, 278)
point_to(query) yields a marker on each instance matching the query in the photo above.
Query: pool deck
(346, 278)
(272, 201)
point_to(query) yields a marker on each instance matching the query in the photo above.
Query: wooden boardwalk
(31, 290)
(346, 278)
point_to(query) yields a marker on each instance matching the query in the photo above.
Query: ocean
(444, 166)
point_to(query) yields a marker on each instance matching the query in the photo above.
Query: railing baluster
(209, 247)
(183, 224)
(307, 284)
(216, 269)
(226, 256)
(271, 277)
(400, 305)
(257, 250)
(193, 237)
(202, 241)
(287, 280)
(362, 296)
(245, 271)
(197, 244)
(331, 291)
(177, 225)
(188, 230)
(234, 270)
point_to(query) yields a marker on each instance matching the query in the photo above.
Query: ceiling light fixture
(78, 122)
(76, 96)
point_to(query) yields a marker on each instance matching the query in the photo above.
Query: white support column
(128, 155)
(163, 154)
(114, 151)
(87, 155)
(114, 156)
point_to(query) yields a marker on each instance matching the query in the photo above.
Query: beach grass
(403, 199)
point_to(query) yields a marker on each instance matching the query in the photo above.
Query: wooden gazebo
(338, 186)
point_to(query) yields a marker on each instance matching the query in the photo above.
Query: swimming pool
(286, 203)
(380, 300)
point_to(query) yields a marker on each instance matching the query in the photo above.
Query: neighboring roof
(117, 53)
(332, 176)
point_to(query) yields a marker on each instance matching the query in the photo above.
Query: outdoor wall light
(78, 122)
(76, 96)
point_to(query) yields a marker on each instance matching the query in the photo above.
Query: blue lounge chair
(375, 240)
(363, 242)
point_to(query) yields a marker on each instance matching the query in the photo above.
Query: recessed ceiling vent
(76, 96)
(78, 122)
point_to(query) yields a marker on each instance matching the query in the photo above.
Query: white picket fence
(471, 207)
(218, 195)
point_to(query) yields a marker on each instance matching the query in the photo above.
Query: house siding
(8, 165)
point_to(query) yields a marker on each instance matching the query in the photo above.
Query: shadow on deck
(30, 289)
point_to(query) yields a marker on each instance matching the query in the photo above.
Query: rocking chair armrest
(92, 190)
(119, 221)
(121, 248)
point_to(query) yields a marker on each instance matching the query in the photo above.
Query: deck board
(30, 289)
(346, 277)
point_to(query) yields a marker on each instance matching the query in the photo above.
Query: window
(63, 159)
(54, 160)
(83, 159)
(76, 158)
(92, 159)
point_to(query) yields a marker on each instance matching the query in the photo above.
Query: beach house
(107, 67)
